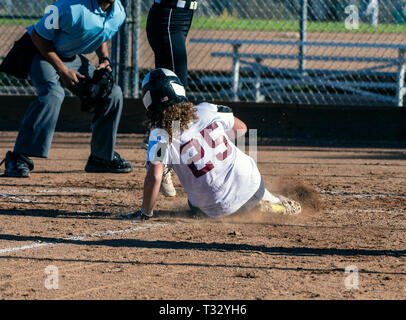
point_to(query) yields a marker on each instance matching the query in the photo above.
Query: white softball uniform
(217, 176)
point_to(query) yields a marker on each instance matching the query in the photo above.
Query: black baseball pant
(167, 30)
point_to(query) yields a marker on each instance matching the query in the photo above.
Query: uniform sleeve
(226, 116)
(158, 147)
(57, 18)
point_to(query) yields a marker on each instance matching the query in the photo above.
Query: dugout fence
(361, 50)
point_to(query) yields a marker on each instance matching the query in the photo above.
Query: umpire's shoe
(17, 165)
(117, 165)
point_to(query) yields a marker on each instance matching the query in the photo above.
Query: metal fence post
(123, 77)
(400, 90)
(135, 51)
(236, 72)
(303, 26)
(346, 67)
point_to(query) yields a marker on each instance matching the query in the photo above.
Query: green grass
(18, 22)
(235, 24)
(229, 23)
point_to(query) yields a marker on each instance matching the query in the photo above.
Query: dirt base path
(61, 224)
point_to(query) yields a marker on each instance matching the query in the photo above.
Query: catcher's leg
(38, 127)
(105, 125)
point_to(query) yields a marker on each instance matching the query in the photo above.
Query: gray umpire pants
(38, 127)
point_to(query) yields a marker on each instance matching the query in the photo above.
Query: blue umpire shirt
(82, 26)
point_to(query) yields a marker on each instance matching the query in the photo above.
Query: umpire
(84, 26)
(168, 25)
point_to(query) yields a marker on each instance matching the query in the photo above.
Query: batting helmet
(162, 88)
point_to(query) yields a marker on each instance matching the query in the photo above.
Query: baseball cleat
(286, 206)
(17, 165)
(167, 188)
(137, 215)
(117, 165)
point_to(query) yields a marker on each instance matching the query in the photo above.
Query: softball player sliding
(196, 141)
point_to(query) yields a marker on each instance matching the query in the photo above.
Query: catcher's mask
(162, 88)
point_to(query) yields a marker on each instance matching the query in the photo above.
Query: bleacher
(265, 80)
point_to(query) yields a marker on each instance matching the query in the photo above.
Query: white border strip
(80, 238)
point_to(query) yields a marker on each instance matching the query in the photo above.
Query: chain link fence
(348, 52)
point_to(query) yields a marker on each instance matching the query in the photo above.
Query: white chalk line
(15, 195)
(366, 211)
(76, 190)
(80, 238)
(362, 195)
(16, 198)
(70, 190)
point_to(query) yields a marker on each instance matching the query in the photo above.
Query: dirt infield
(355, 206)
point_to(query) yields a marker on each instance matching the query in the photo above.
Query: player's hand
(70, 78)
(103, 65)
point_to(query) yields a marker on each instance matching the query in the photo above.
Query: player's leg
(104, 126)
(38, 126)
(278, 204)
(268, 202)
(182, 20)
(178, 52)
(166, 31)
(167, 188)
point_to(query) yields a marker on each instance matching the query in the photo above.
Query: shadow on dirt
(204, 265)
(213, 246)
(49, 213)
(383, 155)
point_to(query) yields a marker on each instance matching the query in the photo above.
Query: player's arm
(46, 48)
(157, 158)
(235, 128)
(152, 184)
(239, 129)
(103, 54)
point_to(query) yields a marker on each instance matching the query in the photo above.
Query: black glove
(94, 92)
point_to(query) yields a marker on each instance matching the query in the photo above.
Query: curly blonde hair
(184, 112)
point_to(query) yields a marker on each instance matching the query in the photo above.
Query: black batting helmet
(162, 88)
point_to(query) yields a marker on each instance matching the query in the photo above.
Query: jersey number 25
(194, 143)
